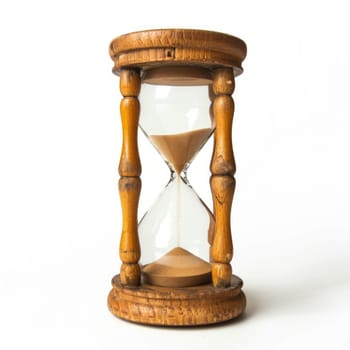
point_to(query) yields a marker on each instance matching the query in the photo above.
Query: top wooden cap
(177, 47)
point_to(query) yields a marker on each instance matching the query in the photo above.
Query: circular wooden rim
(150, 48)
(191, 306)
(149, 291)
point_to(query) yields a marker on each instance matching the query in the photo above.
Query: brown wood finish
(130, 85)
(129, 183)
(222, 182)
(178, 57)
(191, 306)
(162, 47)
(223, 162)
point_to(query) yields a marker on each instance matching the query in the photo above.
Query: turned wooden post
(129, 182)
(222, 181)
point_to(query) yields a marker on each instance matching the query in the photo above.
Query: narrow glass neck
(179, 176)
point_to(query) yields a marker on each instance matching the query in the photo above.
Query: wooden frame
(204, 56)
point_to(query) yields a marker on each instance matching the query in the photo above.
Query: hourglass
(177, 86)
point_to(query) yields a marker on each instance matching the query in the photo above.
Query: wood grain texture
(130, 84)
(151, 48)
(222, 189)
(129, 247)
(222, 182)
(130, 164)
(191, 306)
(222, 162)
(130, 183)
(221, 274)
(200, 57)
(223, 81)
(129, 191)
(130, 274)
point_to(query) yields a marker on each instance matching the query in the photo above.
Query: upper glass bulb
(176, 122)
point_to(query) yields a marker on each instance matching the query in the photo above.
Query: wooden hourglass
(177, 86)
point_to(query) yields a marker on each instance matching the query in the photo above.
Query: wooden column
(129, 182)
(222, 181)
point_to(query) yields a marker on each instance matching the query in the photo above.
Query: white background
(59, 151)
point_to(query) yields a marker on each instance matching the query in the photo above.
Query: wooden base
(191, 306)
